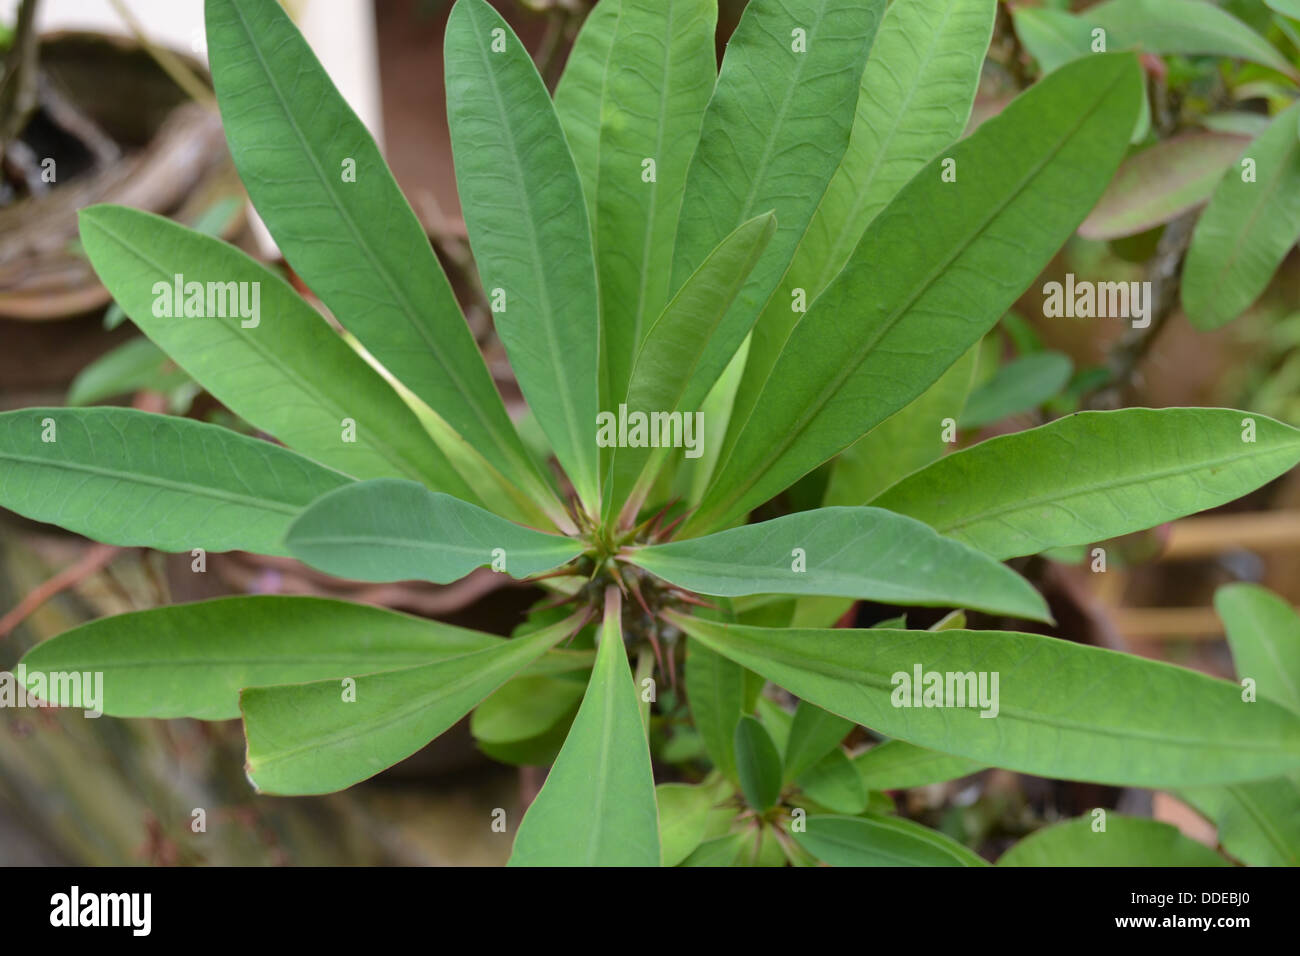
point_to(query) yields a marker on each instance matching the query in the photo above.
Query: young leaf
(318, 181)
(398, 531)
(1093, 476)
(715, 687)
(1264, 634)
(898, 765)
(581, 92)
(1126, 841)
(865, 553)
(661, 71)
(757, 764)
(774, 132)
(132, 478)
(1252, 220)
(687, 348)
(931, 276)
(528, 227)
(192, 660)
(1257, 821)
(813, 734)
(683, 819)
(597, 807)
(1154, 725)
(915, 99)
(875, 840)
(1019, 386)
(833, 783)
(283, 369)
(326, 735)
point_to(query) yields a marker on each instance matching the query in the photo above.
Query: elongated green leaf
(904, 442)
(898, 765)
(398, 531)
(875, 840)
(915, 99)
(833, 783)
(579, 96)
(319, 183)
(1126, 841)
(715, 687)
(1052, 37)
(758, 764)
(1154, 724)
(813, 734)
(523, 207)
(524, 707)
(132, 478)
(1247, 229)
(597, 807)
(134, 365)
(683, 819)
(1259, 821)
(192, 660)
(773, 135)
(671, 371)
(1093, 476)
(283, 368)
(1019, 386)
(1160, 183)
(1264, 634)
(326, 735)
(662, 68)
(863, 553)
(931, 275)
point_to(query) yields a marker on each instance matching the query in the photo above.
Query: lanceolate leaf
(329, 734)
(131, 478)
(192, 660)
(877, 840)
(283, 369)
(1093, 476)
(863, 553)
(1258, 821)
(661, 71)
(580, 94)
(1264, 634)
(1019, 386)
(320, 184)
(813, 734)
(898, 765)
(915, 99)
(598, 806)
(715, 687)
(528, 227)
(688, 346)
(1245, 232)
(931, 275)
(399, 530)
(758, 764)
(1062, 710)
(1126, 841)
(775, 131)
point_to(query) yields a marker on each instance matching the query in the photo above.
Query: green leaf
(875, 840)
(391, 530)
(721, 851)
(904, 442)
(863, 553)
(686, 350)
(597, 807)
(931, 276)
(1161, 183)
(580, 94)
(192, 660)
(813, 734)
(289, 374)
(715, 687)
(914, 100)
(1019, 386)
(683, 819)
(131, 367)
(1093, 476)
(326, 735)
(1264, 634)
(1126, 841)
(526, 718)
(834, 783)
(662, 67)
(1247, 229)
(523, 207)
(774, 133)
(131, 478)
(898, 765)
(321, 186)
(1258, 823)
(1052, 37)
(757, 764)
(1155, 725)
